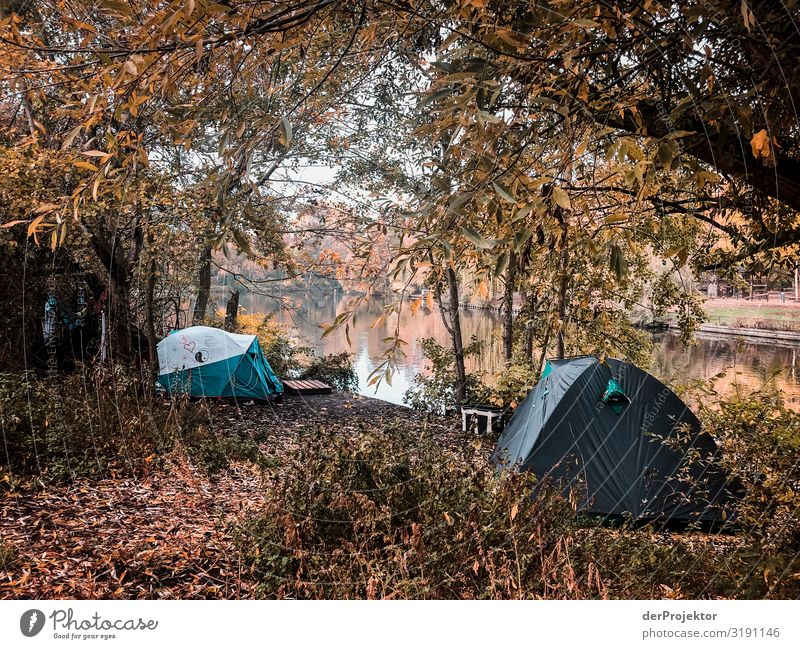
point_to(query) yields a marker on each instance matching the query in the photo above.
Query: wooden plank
(309, 387)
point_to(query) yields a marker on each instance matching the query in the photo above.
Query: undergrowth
(393, 514)
(104, 422)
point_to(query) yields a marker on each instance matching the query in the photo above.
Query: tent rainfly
(621, 440)
(210, 362)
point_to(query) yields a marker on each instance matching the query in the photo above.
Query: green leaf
(285, 137)
(618, 262)
(476, 238)
(504, 192)
(448, 251)
(500, 266)
(434, 97)
(242, 242)
(666, 154)
(336, 324)
(521, 238)
(457, 205)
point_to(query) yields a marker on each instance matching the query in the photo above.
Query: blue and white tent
(210, 362)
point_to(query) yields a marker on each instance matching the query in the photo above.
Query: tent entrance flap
(615, 396)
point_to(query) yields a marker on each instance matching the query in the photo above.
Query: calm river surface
(745, 366)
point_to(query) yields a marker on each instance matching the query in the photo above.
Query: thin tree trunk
(508, 308)
(458, 342)
(543, 354)
(232, 311)
(529, 328)
(204, 287)
(564, 284)
(149, 312)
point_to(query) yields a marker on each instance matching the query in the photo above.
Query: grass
(758, 315)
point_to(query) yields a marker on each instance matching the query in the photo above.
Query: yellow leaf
(762, 146)
(71, 136)
(34, 225)
(43, 208)
(514, 511)
(429, 300)
(561, 198)
(85, 165)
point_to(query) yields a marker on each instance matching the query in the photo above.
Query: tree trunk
(119, 317)
(119, 342)
(508, 308)
(150, 324)
(543, 354)
(458, 342)
(563, 285)
(797, 284)
(529, 328)
(232, 311)
(204, 287)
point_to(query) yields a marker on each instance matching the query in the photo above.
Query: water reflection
(743, 365)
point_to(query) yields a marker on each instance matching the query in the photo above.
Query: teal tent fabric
(210, 362)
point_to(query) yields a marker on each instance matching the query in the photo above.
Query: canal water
(739, 365)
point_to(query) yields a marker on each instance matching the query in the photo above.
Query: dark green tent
(619, 438)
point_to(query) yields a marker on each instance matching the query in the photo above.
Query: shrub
(436, 392)
(392, 512)
(214, 451)
(335, 369)
(284, 358)
(299, 362)
(512, 384)
(91, 422)
(760, 441)
(103, 422)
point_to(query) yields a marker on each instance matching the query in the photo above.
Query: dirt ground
(168, 535)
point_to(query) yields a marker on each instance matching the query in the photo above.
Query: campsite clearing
(168, 534)
(171, 533)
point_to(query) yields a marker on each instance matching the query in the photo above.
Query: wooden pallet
(306, 387)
